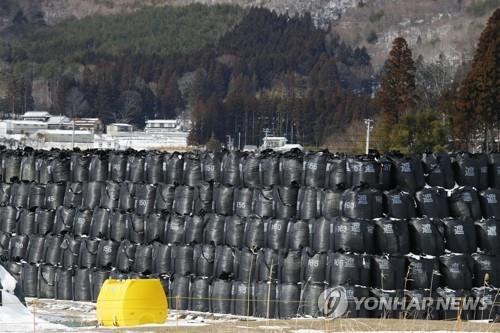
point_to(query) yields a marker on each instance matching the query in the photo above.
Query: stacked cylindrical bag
(255, 234)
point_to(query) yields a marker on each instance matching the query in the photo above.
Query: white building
(278, 143)
(118, 129)
(36, 116)
(160, 126)
(27, 127)
(143, 140)
(58, 135)
(273, 142)
(57, 122)
(57, 132)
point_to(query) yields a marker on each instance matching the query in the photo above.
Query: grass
(325, 325)
(80, 317)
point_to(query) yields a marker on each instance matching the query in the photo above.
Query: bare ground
(80, 317)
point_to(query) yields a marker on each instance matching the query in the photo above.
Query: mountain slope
(157, 31)
(431, 27)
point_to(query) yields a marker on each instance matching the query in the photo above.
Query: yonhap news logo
(335, 302)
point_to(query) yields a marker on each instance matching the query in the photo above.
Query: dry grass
(80, 314)
(321, 325)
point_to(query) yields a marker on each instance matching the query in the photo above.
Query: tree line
(260, 70)
(444, 112)
(265, 71)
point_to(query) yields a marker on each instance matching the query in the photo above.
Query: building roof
(36, 114)
(26, 122)
(58, 120)
(87, 120)
(120, 124)
(67, 132)
(161, 121)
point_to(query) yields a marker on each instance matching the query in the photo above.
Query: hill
(159, 31)
(230, 71)
(432, 27)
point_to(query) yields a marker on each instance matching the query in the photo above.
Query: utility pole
(369, 127)
(73, 134)
(266, 133)
(229, 142)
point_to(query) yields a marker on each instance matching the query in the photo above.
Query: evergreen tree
(199, 90)
(478, 102)
(396, 95)
(170, 99)
(19, 94)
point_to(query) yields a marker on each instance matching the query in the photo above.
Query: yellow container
(131, 302)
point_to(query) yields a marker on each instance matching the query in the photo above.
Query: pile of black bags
(253, 234)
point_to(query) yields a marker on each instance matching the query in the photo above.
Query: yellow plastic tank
(131, 302)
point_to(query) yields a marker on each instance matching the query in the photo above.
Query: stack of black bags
(254, 234)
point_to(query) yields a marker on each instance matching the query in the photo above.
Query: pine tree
(396, 95)
(478, 102)
(170, 99)
(199, 90)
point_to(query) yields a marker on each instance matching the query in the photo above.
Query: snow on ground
(14, 317)
(69, 316)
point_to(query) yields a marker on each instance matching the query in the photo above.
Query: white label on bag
(491, 198)
(396, 200)
(388, 229)
(405, 167)
(427, 198)
(426, 228)
(313, 262)
(469, 172)
(369, 168)
(349, 262)
(355, 227)
(459, 230)
(383, 264)
(362, 199)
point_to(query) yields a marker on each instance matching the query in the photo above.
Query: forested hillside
(235, 72)
(230, 71)
(159, 31)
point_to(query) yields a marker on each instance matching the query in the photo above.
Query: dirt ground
(80, 317)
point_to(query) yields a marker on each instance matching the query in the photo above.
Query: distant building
(273, 142)
(57, 122)
(93, 125)
(27, 127)
(162, 126)
(36, 116)
(278, 143)
(66, 136)
(249, 148)
(158, 134)
(45, 131)
(118, 129)
(63, 139)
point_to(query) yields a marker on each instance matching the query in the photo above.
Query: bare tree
(432, 78)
